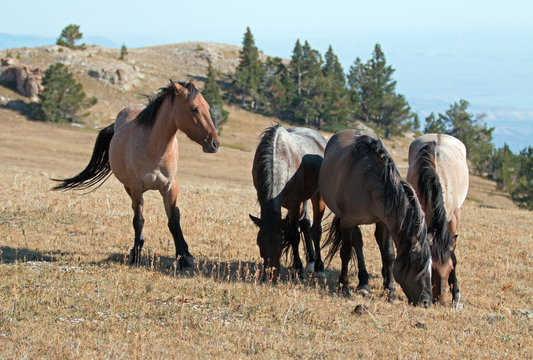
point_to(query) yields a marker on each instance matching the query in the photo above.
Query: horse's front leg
(294, 241)
(138, 224)
(316, 232)
(452, 281)
(185, 259)
(386, 247)
(305, 228)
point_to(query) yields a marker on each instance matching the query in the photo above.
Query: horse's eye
(194, 109)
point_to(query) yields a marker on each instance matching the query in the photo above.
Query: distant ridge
(12, 41)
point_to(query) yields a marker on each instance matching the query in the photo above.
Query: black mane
(399, 200)
(264, 158)
(147, 116)
(431, 194)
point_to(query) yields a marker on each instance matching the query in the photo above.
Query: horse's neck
(163, 132)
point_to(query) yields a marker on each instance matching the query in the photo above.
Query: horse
(438, 172)
(285, 174)
(361, 184)
(141, 149)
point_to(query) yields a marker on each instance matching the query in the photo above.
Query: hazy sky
(442, 51)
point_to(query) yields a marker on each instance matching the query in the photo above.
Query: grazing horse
(361, 185)
(285, 174)
(438, 172)
(141, 149)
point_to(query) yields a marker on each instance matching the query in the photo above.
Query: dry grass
(66, 292)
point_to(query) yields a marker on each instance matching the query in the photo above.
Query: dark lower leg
(362, 274)
(452, 280)
(294, 238)
(316, 235)
(182, 249)
(386, 247)
(346, 255)
(138, 223)
(305, 228)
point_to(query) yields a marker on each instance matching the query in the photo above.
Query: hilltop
(117, 83)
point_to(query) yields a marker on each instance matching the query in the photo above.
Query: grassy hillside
(66, 292)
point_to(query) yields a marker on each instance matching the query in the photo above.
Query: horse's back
(121, 146)
(343, 181)
(450, 164)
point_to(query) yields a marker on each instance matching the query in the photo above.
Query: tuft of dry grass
(66, 291)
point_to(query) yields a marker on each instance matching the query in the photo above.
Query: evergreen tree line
(314, 90)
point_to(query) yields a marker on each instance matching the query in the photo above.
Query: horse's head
(441, 270)
(194, 118)
(270, 241)
(412, 267)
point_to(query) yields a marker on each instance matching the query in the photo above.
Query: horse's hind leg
(386, 247)
(362, 274)
(316, 232)
(185, 259)
(346, 255)
(138, 224)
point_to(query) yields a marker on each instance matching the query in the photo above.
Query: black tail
(98, 170)
(334, 239)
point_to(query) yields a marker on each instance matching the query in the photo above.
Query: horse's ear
(180, 90)
(258, 222)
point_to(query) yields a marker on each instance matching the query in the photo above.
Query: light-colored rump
(451, 167)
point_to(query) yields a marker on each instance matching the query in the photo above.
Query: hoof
(320, 275)
(186, 262)
(345, 291)
(297, 274)
(135, 258)
(310, 267)
(363, 290)
(456, 297)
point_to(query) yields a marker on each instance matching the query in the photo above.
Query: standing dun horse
(141, 149)
(285, 174)
(438, 171)
(361, 185)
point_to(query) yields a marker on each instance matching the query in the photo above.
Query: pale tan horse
(361, 185)
(141, 149)
(285, 174)
(438, 172)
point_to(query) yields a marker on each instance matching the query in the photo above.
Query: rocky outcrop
(28, 81)
(117, 77)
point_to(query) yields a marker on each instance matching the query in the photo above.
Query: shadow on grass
(28, 109)
(12, 255)
(222, 271)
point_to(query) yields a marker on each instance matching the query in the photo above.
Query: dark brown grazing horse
(141, 149)
(438, 172)
(285, 174)
(361, 185)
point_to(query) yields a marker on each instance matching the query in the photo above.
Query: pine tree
(213, 97)
(336, 102)
(123, 52)
(69, 36)
(434, 125)
(63, 98)
(309, 104)
(372, 86)
(248, 73)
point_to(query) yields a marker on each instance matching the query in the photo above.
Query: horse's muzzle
(210, 145)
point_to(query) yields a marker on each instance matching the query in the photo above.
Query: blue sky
(442, 51)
